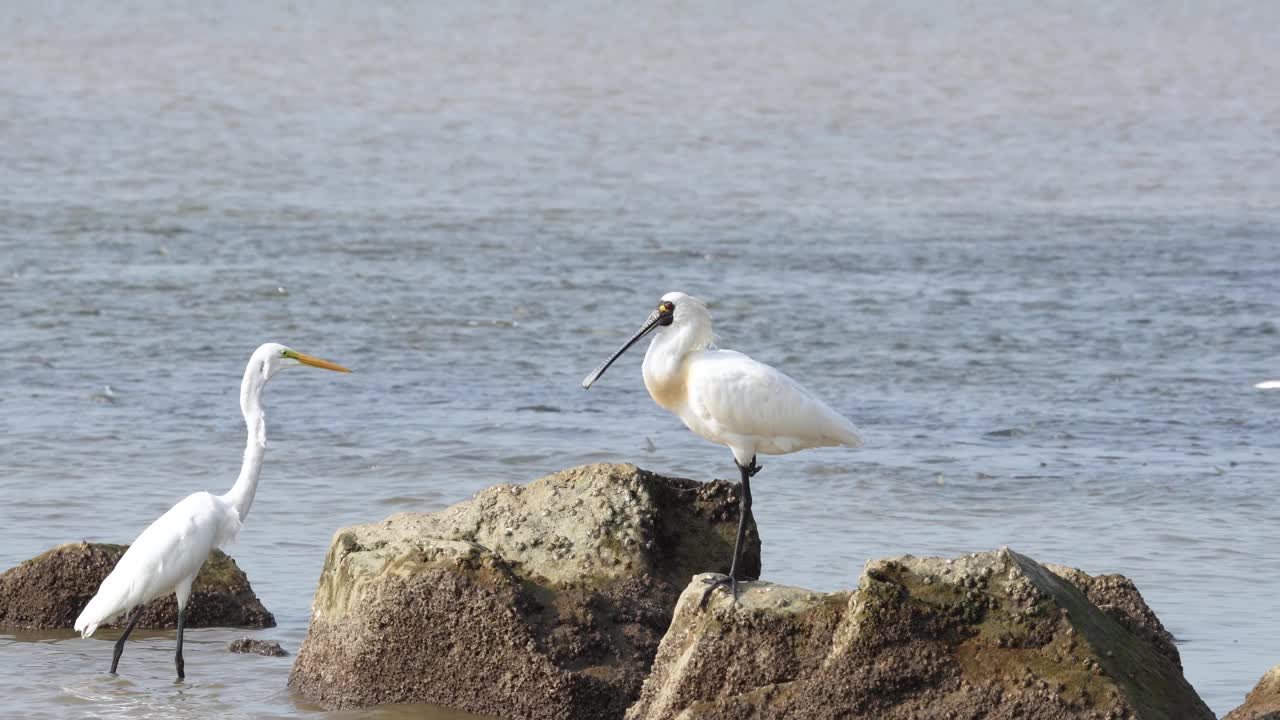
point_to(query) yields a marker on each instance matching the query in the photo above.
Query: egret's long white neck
(241, 494)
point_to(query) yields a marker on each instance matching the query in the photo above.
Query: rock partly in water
(1263, 702)
(539, 601)
(990, 635)
(268, 648)
(49, 591)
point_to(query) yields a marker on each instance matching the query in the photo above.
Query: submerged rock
(990, 635)
(268, 648)
(539, 601)
(49, 591)
(1263, 702)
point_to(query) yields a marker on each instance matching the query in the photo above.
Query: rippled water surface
(1031, 249)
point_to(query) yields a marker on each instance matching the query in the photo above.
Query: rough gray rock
(49, 591)
(268, 648)
(539, 601)
(1263, 702)
(990, 635)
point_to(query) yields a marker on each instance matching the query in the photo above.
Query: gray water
(1031, 249)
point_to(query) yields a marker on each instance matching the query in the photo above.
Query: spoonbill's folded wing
(734, 395)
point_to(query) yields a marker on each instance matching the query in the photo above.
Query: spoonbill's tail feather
(840, 429)
(851, 438)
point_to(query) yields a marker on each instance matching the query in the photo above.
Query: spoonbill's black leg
(177, 658)
(133, 620)
(744, 492)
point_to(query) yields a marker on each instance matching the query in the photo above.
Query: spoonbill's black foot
(719, 582)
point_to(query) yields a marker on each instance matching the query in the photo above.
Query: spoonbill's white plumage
(728, 398)
(167, 555)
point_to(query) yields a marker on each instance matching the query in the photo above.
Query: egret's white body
(165, 558)
(167, 555)
(728, 398)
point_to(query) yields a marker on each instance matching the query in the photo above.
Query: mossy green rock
(546, 600)
(49, 591)
(989, 635)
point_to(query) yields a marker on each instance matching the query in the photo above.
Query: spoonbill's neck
(255, 420)
(664, 361)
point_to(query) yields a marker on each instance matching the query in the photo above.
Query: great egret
(728, 398)
(167, 555)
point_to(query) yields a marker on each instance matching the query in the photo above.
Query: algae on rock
(540, 601)
(989, 635)
(49, 591)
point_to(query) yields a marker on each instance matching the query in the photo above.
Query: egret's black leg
(133, 620)
(744, 492)
(177, 658)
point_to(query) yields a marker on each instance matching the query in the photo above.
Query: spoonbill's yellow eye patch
(666, 313)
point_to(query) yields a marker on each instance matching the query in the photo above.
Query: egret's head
(271, 358)
(675, 310)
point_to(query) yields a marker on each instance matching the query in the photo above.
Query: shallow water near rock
(1030, 250)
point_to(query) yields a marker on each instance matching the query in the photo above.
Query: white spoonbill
(728, 398)
(167, 555)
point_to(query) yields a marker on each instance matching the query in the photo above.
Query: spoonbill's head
(676, 311)
(1269, 385)
(271, 358)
